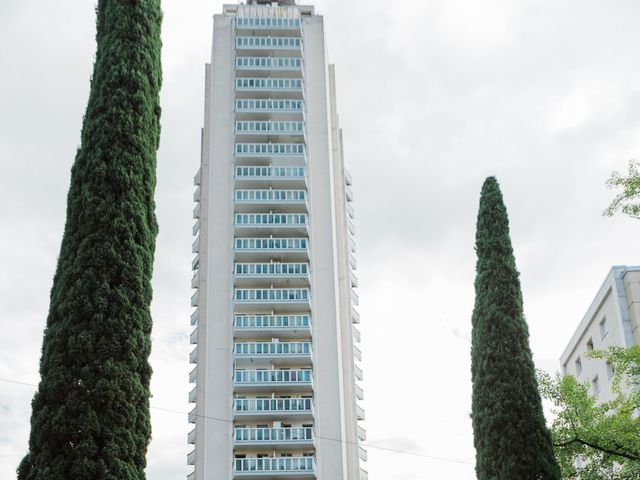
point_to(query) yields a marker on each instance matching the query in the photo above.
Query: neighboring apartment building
(275, 358)
(612, 319)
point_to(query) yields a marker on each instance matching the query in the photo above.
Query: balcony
(288, 326)
(291, 151)
(271, 467)
(284, 352)
(271, 222)
(285, 274)
(267, 23)
(287, 201)
(261, 248)
(293, 127)
(285, 64)
(268, 43)
(271, 270)
(289, 299)
(259, 408)
(301, 437)
(268, 85)
(278, 109)
(266, 176)
(268, 380)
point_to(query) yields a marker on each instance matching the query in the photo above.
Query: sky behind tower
(433, 96)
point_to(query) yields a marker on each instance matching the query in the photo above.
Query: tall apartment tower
(275, 343)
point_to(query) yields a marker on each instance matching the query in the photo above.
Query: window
(578, 366)
(604, 329)
(610, 370)
(590, 345)
(596, 385)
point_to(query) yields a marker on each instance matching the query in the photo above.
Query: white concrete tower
(275, 357)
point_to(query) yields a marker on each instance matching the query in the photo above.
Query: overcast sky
(433, 95)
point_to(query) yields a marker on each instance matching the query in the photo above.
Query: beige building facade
(611, 320)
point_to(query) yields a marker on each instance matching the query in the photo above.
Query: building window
(596, 385)
(578, 366)
(604, 329)
(610, 370)
(590, 345)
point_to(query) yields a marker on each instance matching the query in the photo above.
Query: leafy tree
(510, 436)
(90, 418)
(627, 201)
(605, 435)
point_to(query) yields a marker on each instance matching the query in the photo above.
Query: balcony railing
(270, 128)
(269, 63)
(269, 149)
(253, 196)
(271, 244)
(273, 435)
(270, 295)
(271, 377)
(270, 173)
(271, 269)
(269, 43)
(271, 321)
(272, 405)
(271, 349)
(269, 105)
(269, 84)
(268, 23)
(270, 220)
(280, 465)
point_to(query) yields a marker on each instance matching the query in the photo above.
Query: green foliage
(90, 418)
(605, 435)
(510, 436)
(628, 200)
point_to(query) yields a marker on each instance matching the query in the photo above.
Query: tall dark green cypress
(90, 418)
(510, 436)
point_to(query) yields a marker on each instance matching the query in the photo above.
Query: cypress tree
(90, 414)
(510, 436)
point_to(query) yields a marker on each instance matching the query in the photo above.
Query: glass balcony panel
(268, 23)
(259, 105)
(257, 127)
(268, 43)
(269, 63)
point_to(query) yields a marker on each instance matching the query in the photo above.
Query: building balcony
(287, 326)
(301, 437)
(283, 408)
(269, 380)
(284, 352)
(274, 467)
(286, 274)
(268, 127)
(267, 248)
(272, 64)
(270, 150)
(286, 201)
(271, 222)
(276, 109)
(292, 88)
(282, 299)
(267, 23)
(259, 176)
(269, 43)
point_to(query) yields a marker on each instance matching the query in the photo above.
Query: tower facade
(275, 375)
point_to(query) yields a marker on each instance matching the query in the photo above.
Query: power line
(347, 442)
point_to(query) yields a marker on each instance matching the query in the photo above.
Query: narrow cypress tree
(510, 436)
(90, 418)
